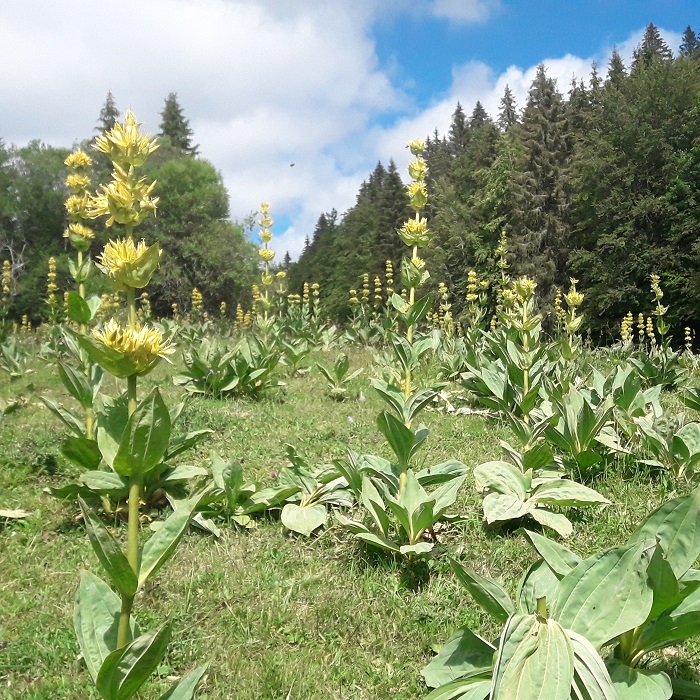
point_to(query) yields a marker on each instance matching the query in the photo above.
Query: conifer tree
(109, 115)
(508, 114)
(690, 48)
(175, 127)
(458, 135)
(540, 230)
(616, 71)
(653, 47)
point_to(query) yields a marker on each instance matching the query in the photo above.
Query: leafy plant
(245, 370)
(314, 490)
(338, 377)
(530, 484)
(673, 447)
(13, 359)
(631, 601)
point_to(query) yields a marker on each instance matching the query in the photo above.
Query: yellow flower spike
(78, 160)
(418, 169)
(266, 254)
(266, 235)
(78, 183)
(416, 146)
(125, 200)
(524, 287)
(281, 275)
(129, 264)
(418, 195)
(415, 232)
(79, 235)
(125, 144)
(142, 346)
(77, 207)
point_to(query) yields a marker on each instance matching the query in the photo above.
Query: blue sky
(331, 85)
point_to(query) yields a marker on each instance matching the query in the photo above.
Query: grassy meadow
(279, 616)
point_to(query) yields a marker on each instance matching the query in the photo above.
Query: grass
(277, 616)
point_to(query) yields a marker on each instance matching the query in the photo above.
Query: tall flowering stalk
(402, 510)
(118, 661)
(267, 255)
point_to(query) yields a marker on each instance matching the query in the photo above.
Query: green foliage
(338, 377)
(211, 369)
(636, 598)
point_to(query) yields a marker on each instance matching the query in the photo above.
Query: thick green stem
(526, 370)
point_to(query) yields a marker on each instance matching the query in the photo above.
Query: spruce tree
(616, 71)
(175, 127)
(652, 48)
(540, 230)
(690, 48)
(458, 135)
(508, 113)
(109, 115)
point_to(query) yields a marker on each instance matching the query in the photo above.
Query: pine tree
(652, 48)
(479, 116)
(616, 71)
(690, 48)
(508, 114)
(540, 221)
(175, 127)
(458, 136)
(109, 114)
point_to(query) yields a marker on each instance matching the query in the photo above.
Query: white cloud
(265, 83)
(465, 11)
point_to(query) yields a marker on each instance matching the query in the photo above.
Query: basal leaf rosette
(129, 264)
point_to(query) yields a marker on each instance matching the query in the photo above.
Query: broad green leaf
(161, 546)
(105, 483)
(81, 451)
(591, 678)
(558, 522)
(464, 654)
(440, 473)
(605, 595)
(565, 492)
(145, 437)
(76, 383)
(675, 625)
(539, 581)
(78, 309)
(685, 690)
(303, 519)
(182, 443)
(400, 438)
(186, 687)
(558, 557)
(491, 596)
(417, 549)
(74, 424)
(675, 526)
(502, 477)
(464, 689)
(96, 620)
(125, 670)
(538, 456)
(109, 553)
(502, 506)
(535, 661)
(416, 313)
(639, 684)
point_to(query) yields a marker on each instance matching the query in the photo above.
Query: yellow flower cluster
(627, 328)
(78, 203)
(6, 281)
(51, 289)
(143, 346)
(125, 145)
(129, 264)
(197, 302)
(125, 200)
(389, 276)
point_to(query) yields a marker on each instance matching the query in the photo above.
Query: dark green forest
(601, 183)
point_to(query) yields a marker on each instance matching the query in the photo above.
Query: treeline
(204, 248)
(602, 184)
